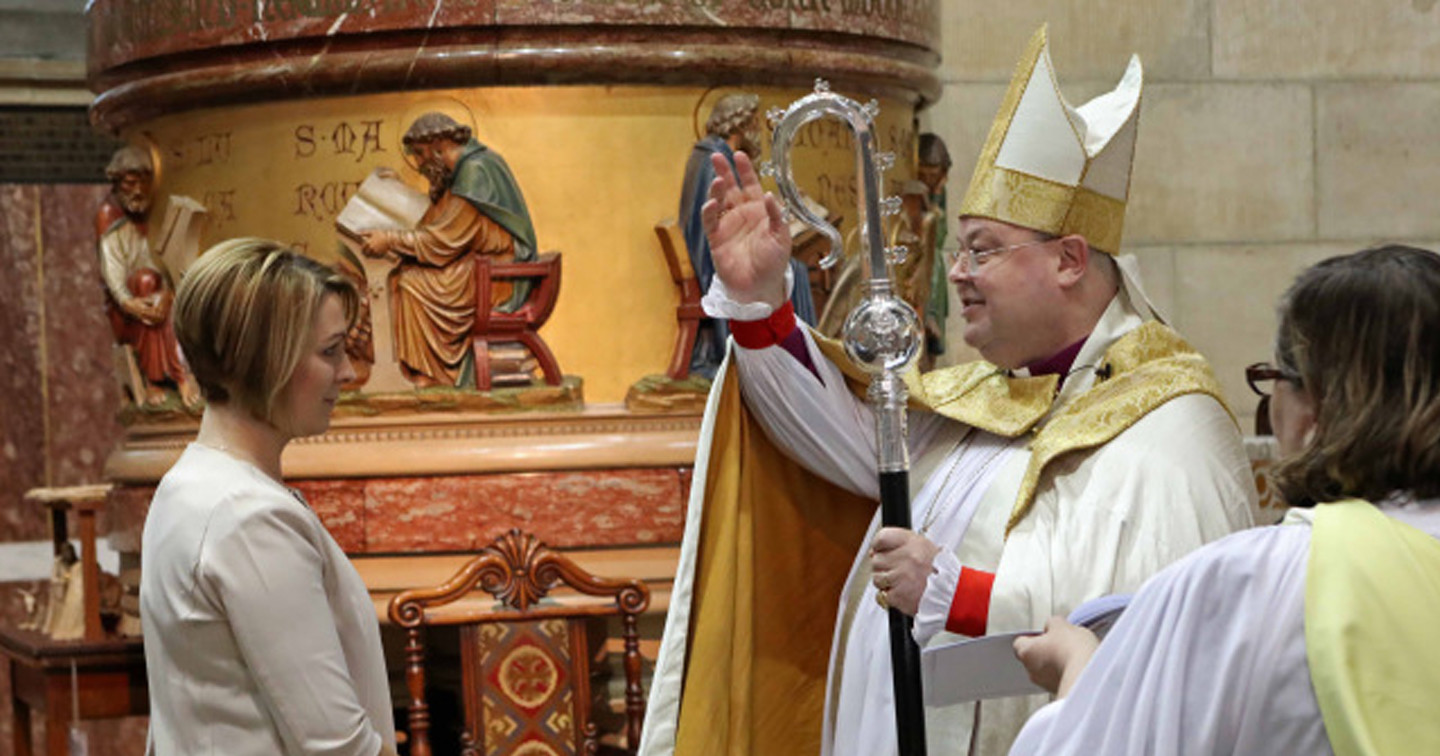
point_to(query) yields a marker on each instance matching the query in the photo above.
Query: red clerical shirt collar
(1058, 363)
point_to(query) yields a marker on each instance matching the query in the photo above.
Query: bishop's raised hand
(749, 239)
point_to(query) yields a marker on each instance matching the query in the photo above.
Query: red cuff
(758, 334)
(970, 609)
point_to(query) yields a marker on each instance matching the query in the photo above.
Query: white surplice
(1103, 522)
(1209, 658)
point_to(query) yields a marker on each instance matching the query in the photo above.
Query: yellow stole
(1148, 367)
(1372, 617)
(776, 544)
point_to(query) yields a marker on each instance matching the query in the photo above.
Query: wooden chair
(524, 664)
(524, 324)
(688, 313)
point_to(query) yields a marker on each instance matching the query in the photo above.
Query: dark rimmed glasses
(1262, 376)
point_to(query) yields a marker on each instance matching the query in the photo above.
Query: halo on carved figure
(700, 113)
(706, 103)
(146, 141)
(447, 105)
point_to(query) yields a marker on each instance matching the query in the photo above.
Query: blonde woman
(260, 637)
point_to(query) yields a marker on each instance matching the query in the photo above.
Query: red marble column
(22, 417)
(57, 388)
(57, 418)
(83, 396)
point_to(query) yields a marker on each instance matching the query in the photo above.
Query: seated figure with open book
(475, 208)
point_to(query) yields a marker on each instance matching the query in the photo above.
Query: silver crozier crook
(881, 336)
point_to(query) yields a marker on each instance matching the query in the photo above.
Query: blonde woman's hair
(1363, 333)
(244, 315)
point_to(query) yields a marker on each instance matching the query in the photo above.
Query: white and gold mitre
(1050, 167)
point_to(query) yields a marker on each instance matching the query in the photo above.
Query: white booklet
(986, 667)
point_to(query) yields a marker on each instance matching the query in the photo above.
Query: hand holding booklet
(986, 667)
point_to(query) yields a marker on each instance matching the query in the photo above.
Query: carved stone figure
(914, 228)
(138, 290)
(360, 341)
(933, 170)
(476, 209)
(913, 277)
(65, 612)
(733, 126)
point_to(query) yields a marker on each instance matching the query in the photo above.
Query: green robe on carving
(434, 292)
(483, 177)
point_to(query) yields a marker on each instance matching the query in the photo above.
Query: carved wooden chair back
(525, 664)
(688, 313)
(522, 325)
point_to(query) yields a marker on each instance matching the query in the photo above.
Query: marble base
(412, 515)
(146, 60)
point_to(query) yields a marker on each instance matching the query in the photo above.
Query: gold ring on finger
(883, 599)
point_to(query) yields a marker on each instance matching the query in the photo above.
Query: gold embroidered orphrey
(1148, 367)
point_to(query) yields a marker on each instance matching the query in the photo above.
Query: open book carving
(179, 242)
(383, 201)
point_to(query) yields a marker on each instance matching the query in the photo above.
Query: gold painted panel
(599, 167)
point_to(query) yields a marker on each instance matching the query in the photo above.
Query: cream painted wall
(1272, 134)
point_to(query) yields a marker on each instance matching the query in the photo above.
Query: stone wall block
(1225, 298)
(1223, 162)
(1088, 39)
(1377, 156)
(1157, 274)
(1319, 39)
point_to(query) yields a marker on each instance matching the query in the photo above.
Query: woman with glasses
(1315, 635)
(1261, 376)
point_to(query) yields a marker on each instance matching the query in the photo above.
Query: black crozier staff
(882, 337)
